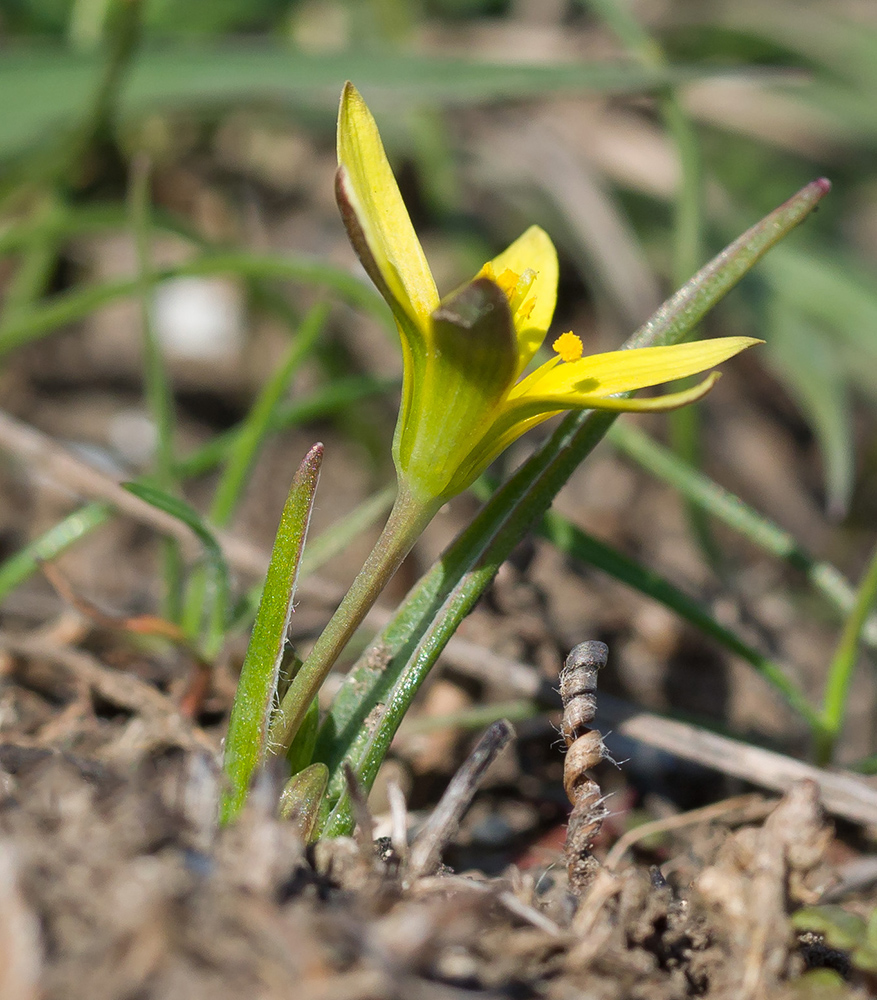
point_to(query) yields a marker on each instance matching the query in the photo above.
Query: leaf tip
(314, 458)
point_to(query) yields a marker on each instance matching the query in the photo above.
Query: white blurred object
(199, 318)
(132, 434)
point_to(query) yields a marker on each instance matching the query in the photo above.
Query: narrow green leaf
(192, 519)
(301, 752)
(840, 673)
(739, 516)
(247, 739)
(578, 544)
(326, 545)
(243, 450)
(60, 537)
(809, 364)
(52, 85)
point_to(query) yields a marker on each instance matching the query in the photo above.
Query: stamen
(515, 286)
(568, 346)
(518, 294)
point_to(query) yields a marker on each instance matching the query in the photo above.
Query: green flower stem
(840, 674)
(404, 526)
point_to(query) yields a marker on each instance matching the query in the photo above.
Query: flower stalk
(406, 523)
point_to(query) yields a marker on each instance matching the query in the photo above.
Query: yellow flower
(463, 398)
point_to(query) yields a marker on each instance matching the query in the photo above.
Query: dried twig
(840, 792)
(364, 830)
(198, 682)
(445, 818)
(747, 807)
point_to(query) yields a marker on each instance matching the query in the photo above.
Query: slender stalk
(404, 526)
(840, 673)
(157, 387)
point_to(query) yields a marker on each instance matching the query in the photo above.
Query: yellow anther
(515, 287)
(508, 281)
(525, 310)
(568, 346)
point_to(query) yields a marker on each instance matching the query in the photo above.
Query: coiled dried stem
(585, 749)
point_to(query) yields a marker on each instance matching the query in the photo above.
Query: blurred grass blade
(739, 516)
(385, 680)
(261, 417)
(246, 742)
(834, 292)
(337, 538)
(688, 224)
(52, 85)
(578, 544)
(327, 401)
(840, 673)
(60, 537)
(157, 388)
(808, 364)
(218, 569)
(67, 307)
(241, 454)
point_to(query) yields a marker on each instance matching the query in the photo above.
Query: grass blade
(739, 516)
(218, 569)
(60, 537)
(52, 85)
(67, 307)
(840, 673)
(578, 544)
